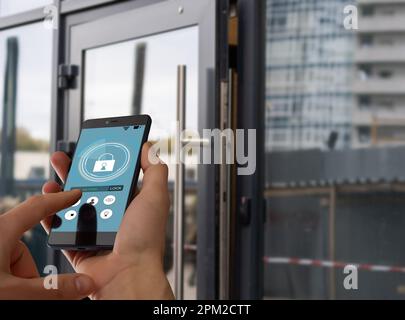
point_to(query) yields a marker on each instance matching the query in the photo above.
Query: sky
(109, 78)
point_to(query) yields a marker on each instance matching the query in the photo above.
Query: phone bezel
(104, 240)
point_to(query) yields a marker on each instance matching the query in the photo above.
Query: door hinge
(67, 76)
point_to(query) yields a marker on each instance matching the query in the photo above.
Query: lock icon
(104, 163)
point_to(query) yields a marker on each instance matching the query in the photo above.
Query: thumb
(54, 287)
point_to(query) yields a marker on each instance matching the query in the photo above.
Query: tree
(25, 142)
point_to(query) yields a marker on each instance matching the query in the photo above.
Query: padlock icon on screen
(104, 163)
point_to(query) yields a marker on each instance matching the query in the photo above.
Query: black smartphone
(105, 167)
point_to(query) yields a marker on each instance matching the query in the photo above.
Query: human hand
(19, 277)
(134, 268)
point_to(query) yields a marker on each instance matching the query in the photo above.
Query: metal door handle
(195, 142)
(179, 186)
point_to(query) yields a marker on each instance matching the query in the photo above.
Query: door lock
(245, 210)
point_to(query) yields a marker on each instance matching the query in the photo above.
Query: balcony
(379, 118)
(378, 86)
(380, 54)
(377, 24)
(363, 2)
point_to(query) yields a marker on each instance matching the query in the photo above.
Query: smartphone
(105, 167)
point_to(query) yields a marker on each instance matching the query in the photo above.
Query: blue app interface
(103, 168)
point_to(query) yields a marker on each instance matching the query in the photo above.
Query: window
(387, 11)
(364, 134)
(366, 41)
(386, 103)
(25, 70)
(365, 72)
(386, 41)
(364, 101)
(368, 10)
(279, 137)
(385, 74)
(279, 22)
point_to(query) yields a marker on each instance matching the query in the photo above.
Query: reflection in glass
(9, 7)
(335, 135)
(25, 101)
(291, 232)
(119, 77)
(309, 75)
(140, 76)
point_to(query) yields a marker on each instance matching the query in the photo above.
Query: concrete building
(379, 86)
(309, 74)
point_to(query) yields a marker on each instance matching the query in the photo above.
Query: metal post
(139, 77)
(8, 132)
(332, 255)
(179, 186)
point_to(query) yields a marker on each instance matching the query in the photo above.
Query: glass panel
(140, 76)
(9, 7)
(296, 233)
(25, 118)
(373, 235)
(335, 129)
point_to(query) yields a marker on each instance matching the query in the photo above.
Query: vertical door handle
(179, 185)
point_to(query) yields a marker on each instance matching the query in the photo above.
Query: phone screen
(103, 168)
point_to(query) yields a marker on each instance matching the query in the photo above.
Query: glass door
(128, 64)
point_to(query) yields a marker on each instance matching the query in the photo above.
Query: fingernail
(83, 284)
(75, 191)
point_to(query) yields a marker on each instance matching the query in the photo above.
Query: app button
(70, 215)
(108, 200)
(77, 203)
(92, 200)
(106, 214)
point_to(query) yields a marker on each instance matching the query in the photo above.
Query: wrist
(146, 282)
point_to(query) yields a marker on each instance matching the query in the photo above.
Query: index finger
(33, 210)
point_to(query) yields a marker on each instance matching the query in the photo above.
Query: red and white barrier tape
(332, 264)
(320, 263)
(190, 247)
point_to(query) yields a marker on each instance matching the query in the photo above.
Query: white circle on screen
(77, 203)
(106, 214)
(109, 200)
(92, 200)
(70, 215)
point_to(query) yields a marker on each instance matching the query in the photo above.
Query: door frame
(90, 29)
(248, 280)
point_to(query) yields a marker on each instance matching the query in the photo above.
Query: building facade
(379, 87)
(309, 75)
